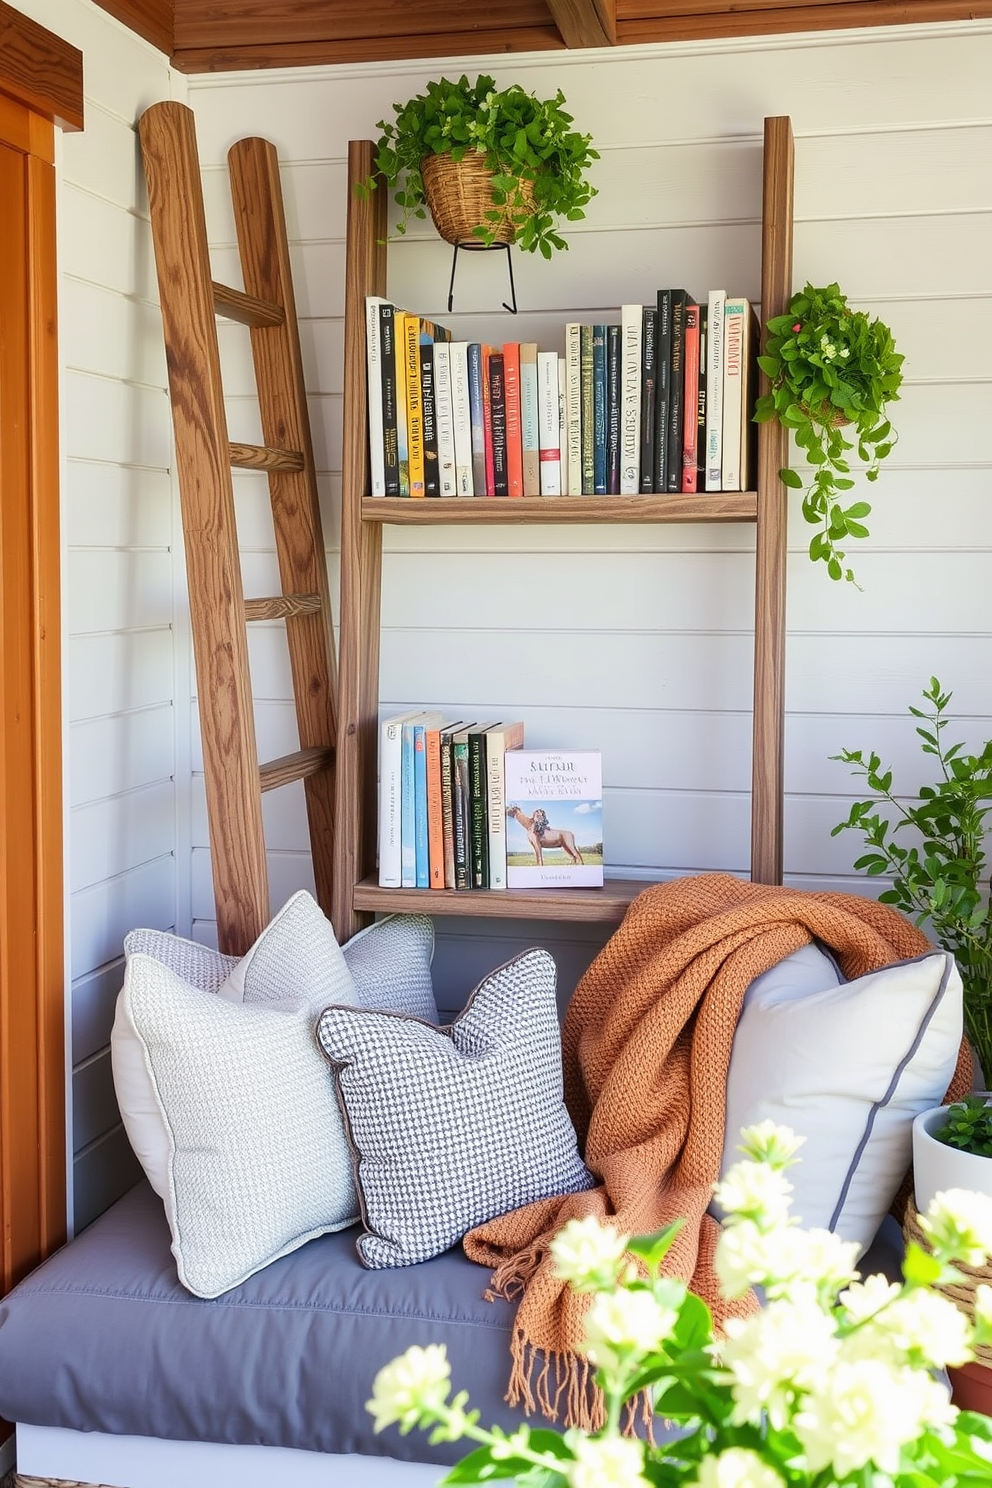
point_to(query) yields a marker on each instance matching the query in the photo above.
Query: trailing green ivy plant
(525, 140)
(943, 877)
(833, 372)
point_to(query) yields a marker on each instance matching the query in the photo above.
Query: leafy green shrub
(968, 1126)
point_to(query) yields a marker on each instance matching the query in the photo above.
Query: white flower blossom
(776, 1355)
(926, 1329)
(605, 1462)
(770, 1143)
(415, 1381)
(751, 1190)
(626, 1322)
(737, 1467)
(864, 1411)
(784, 1261)
(587, 1254)
(958, 1224)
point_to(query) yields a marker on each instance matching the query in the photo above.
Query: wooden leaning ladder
(219, 613)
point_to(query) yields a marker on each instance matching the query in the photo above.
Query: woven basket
(20, 1480)
(459, 193)
(961, 1293)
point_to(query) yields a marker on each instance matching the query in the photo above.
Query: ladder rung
(264, 457)
(298, 766)
(234, 304)
(282, 606)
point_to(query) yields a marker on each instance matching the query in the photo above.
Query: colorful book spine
(476, 418)
(391, 459)
(514, 435)
(735, 312)
(460, 806)
(676, 394)
(447, 807)
(548, 430)
(599, 396)
(563, 425)
(498, 741)
(664, 378)
(714, 388)
(408, 809)
(497, 422)
(588, 410)
(530, 444)
(649, 379)
(373, 362)
(421, 839)
(489, 489)
(433, 737)
(573, 406)
(461, 418)
(428, 399)
(402, 438)
(613, 410)
(390, 794)
(414, 406)
(478, 807)
(445, 419)
(631, 337)
(701, 399)
(690, 396)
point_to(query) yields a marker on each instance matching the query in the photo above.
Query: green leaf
(791, 479)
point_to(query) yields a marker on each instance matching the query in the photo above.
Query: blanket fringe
(509, 1279)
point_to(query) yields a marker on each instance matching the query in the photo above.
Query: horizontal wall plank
(121, 753)
(101, 1174)
(113, 334)
(113, 588)
(109, 838)
(116, 506)
(111, 245)
(94, 998)
(94, 1105)
(116, 673)
(107, 420)
(99, 917)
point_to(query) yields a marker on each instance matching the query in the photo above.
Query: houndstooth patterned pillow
(453, 1126)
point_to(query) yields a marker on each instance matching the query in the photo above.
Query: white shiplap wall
(125, 812)
(637, 640)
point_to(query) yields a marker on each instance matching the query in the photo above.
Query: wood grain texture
(259, 216)
(677, 25)
(235, 55)
(40, 70)
(32, 1035)
(152, 19)
(723, 506)
(361, 560)
(280, 606)
(234, 304)
(220, 647)
(768, 749)
(303, 764)
(605, 906)
(585, 23)
(266, 457)
(255, 22)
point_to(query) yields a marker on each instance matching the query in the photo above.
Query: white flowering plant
(834, 1383)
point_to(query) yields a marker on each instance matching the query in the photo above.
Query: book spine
(390, 765)
(548, 431)
(573, 379)
(422, 839)
(588, 410)
(428, 399)
(649, 378)
(733, 370)
(701, 399)
(447, 813)
(487, 424)
(631, 330)
(479, 815)
(391, 459)
(461, 800)
(530, 443)
(563, 425)
(497, 743)
(613, 412)
(445, 419)
(461, 418)
(676, 394)
(408, 813)
(497, 419)
(716, 323)
(435, 815)
(690, 397)
(514, 436)
(414, 406)
(373, 361)
(749, 376)
(664, 378)
(476, 418)
(599, 409)
(402, 438)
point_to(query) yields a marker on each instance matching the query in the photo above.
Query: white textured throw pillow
(453, 1126)
(391, 964)
(227, 1103)
(847, 1065)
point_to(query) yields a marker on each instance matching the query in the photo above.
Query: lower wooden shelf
(605, 906)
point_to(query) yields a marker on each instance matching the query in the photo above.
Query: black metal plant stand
(483, 248)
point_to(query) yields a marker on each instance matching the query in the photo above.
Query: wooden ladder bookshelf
(234, 778)
(356, 891)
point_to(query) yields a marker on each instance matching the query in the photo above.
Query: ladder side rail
(259, 216)
(361, 561)
(234, 807)
(768, 748)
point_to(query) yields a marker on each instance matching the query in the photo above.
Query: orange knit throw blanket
(646, 1050)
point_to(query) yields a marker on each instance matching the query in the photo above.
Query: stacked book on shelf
(451, 791)
(659, 401)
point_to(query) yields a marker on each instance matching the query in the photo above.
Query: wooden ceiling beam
(672, 24)
(40, 70)
(585, 23)
(193, 57)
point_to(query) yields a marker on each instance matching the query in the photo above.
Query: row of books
(463, 806)
(661, 401)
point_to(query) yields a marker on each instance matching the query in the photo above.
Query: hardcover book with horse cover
(554, 818)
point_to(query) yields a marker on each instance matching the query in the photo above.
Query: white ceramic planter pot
(937, 1167)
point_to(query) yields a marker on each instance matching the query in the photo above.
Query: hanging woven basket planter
(459, 194)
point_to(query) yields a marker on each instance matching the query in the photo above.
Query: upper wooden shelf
(605, 906)
(718, 506)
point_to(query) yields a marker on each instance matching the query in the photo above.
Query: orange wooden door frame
(32, 980)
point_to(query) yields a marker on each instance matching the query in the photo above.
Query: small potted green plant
(492, 165)
(833, 371)
(951, 1149)
(941, 877)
